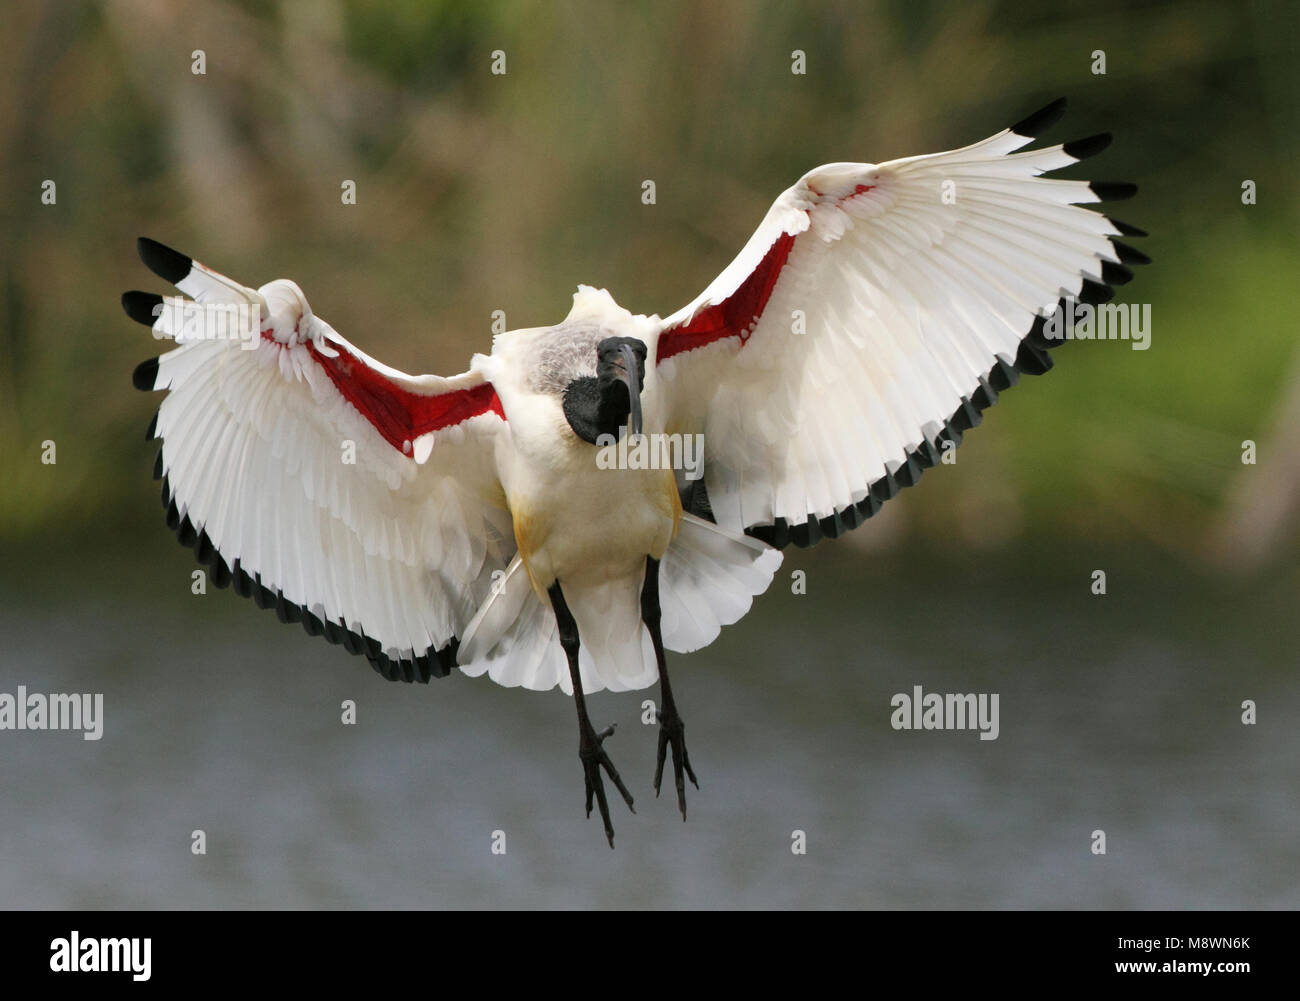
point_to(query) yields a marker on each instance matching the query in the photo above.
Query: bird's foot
(672, 731)
(592, 752)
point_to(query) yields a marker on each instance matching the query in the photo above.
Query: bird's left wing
(875, 312)
(348, 496)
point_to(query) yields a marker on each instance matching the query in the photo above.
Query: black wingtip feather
(867, 507)
(1129, 255)
(448, 656)
(262, 596)
(1115, 274)
(168, 264)
(885, 488)
(908, 474)
(1041, 120)
(1095, 292)
(145, 375)
(1127, 229)
(1081, 149)
(832, 526)
(965, 416)
(287, 611)
(927, 455)
(1031, 360)
(1113, 191)
(143, 307)
(1003, 375)
(1037, 335)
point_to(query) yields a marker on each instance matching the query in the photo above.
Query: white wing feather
(905, 283)
(277, 474)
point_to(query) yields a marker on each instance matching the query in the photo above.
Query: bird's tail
(708, 579)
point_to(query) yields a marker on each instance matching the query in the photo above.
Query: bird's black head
(605, 404)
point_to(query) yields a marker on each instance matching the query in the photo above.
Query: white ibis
(477, 522)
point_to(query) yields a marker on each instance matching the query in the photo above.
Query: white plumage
(431, 522)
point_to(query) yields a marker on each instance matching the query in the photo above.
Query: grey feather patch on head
(563, 354)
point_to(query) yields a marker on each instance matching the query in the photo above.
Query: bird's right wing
(872, 316)
(348, 496)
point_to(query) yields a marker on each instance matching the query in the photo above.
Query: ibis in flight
(531, 519)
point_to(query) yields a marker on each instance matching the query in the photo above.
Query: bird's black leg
(590, 743)
(672, 731)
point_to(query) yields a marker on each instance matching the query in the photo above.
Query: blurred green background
(479, 192)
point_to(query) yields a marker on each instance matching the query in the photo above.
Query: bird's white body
(576, 519)
(581, 519)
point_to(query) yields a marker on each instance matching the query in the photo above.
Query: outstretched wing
(348, 496)
(872, 316)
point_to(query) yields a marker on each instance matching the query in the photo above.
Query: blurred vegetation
(479, 192)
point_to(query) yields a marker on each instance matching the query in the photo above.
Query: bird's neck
(593, 410)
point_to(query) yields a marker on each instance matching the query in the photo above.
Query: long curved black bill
(633, 380)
